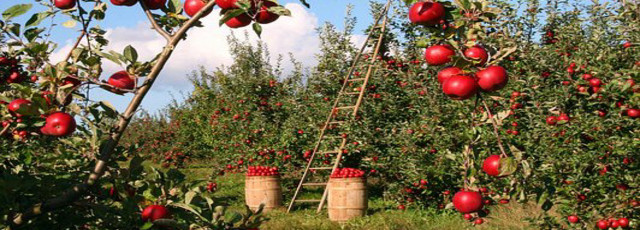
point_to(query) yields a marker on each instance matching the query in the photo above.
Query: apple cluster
(347, 173)
(262, 171)
(25, 111)
(457, 83)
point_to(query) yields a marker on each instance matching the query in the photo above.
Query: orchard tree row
(474, 103)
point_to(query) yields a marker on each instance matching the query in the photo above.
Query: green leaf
(507, 166)
(16, 11)
(70, 23)
(146, 226)
(188, 197)
(37, 18)
(231, 14)
(304, 2)
(32, 33)
(175, 6)
(189, 208)
(279, 10)
(130, 54)
(257, 28)
(108, 108)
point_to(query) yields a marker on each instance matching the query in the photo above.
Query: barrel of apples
(262, 185)
(347, 194)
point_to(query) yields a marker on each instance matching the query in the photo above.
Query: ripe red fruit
(71, 80)
(552, 120)
(627, 45)
(603, 224)
(477, 53)
(448, 72)
(15, 77)
(401, 207)
(20, 107)
(155, 4)
(633, 113)
(563, 117)
(192, 7)
(59, 124)
(227, 4)
(587, 76)
(264, 16)
(573, 219)
(491, 165)
(426, 13)
(154, 212)
(460, 87)
(438, 54)
(124, 2)
(492, 78)
(467, 201)
(122, 80)
(467, 216)
(623, 222)
(239, 21)
(595, 82)
(64, 4)
(478, 221)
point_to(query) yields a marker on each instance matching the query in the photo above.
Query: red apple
(264, 16)
(124, 2)
(154, 212)
(467, 201)
(563, 117)
(587, 76)
(573, 219)
(448, 72)
(478, 221)
(603, 224)
(239, 21)
(438, 54)
(192, 7)
(492, 78)
(491, 165)
(15, 77)
(59, 124)
(426, 13)
(64, 4)
(122, 80)
(460, 87)
(155, 4)
(551, 120)
(20, 107)
(71, 80)
(477, 53)
(623, 222)
(595, 82)
(633, 113)
(627, 45)
(227, 4)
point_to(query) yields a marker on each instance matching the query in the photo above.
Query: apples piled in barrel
(262, 171)
(347, 173)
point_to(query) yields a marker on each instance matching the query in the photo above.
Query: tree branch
(154, 23)
(76, 192)
(495, 129)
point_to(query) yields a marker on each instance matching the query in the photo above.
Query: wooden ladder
(353, 109)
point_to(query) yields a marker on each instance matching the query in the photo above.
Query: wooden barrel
(347, 198)
(263, 189)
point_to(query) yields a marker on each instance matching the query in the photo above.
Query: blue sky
(207, 46)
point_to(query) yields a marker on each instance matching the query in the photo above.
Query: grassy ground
(381, 215)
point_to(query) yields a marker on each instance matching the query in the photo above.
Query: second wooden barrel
(347, 198)
(263, 189)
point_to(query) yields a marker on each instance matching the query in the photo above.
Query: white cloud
(207, 46)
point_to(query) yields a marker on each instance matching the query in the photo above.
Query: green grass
(380, 214)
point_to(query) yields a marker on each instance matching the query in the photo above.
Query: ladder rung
(351, 93)
(357, 79)
(332, 137)
(322, 168)
(307, 201)
(336, 122)
(314, 184)
(346, 107)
